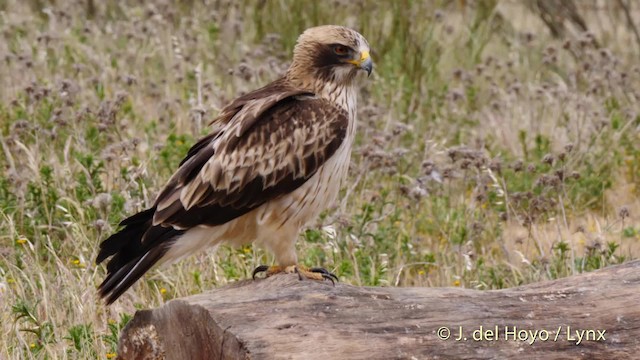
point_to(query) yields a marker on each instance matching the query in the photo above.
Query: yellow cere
(363, 56)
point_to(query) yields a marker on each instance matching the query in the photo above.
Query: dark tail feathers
(135, 249)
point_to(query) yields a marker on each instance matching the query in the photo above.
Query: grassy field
(489, 154)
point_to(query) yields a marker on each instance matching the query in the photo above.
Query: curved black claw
(326, 274)
(259, 269)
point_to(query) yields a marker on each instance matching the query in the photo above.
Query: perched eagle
(273, 161)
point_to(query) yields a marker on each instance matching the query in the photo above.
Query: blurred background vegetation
(498, 145)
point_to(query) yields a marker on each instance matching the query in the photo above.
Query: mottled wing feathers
(254, 102)
(268, 148)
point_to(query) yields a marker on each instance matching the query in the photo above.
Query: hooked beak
(364, 62)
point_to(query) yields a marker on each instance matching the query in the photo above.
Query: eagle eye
(340, 50)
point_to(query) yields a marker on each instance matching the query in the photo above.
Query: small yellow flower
(111, 321)
(32, 345)
(456, 283)
(246, 249)
(179, 142)
(421, 272)
(22, 240)
(111, 355)
(163, 291)
(78, 263)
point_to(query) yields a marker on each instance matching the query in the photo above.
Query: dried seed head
(550, 50)
(417, 192)
(101, 201)
(568, 147)
(447, 173)
(100, 224)
(449, 29)
(587, 39)
(428, 167)
(20, 125)
(130, 80)
(245, 71)
(548, 159)
(489, 60)
(121, 97)
(531, 168)
(605, 54)
(477, 227)
(456, 94)
(400, 128)
(496, 165)
(562, 156)
(624, 212)
(529, 37)
(480, 162)
(515, 88)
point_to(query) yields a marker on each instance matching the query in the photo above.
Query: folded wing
(268, 149)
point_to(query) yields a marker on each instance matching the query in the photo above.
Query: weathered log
(593, 315)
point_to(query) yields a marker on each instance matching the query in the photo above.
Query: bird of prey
(275, 159)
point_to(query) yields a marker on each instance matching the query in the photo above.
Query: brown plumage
(273, 162)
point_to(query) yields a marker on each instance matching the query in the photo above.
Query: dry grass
(489, 154)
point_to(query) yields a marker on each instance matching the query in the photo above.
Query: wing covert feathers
(268, 148)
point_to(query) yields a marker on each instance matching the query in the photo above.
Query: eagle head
(330, 53)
